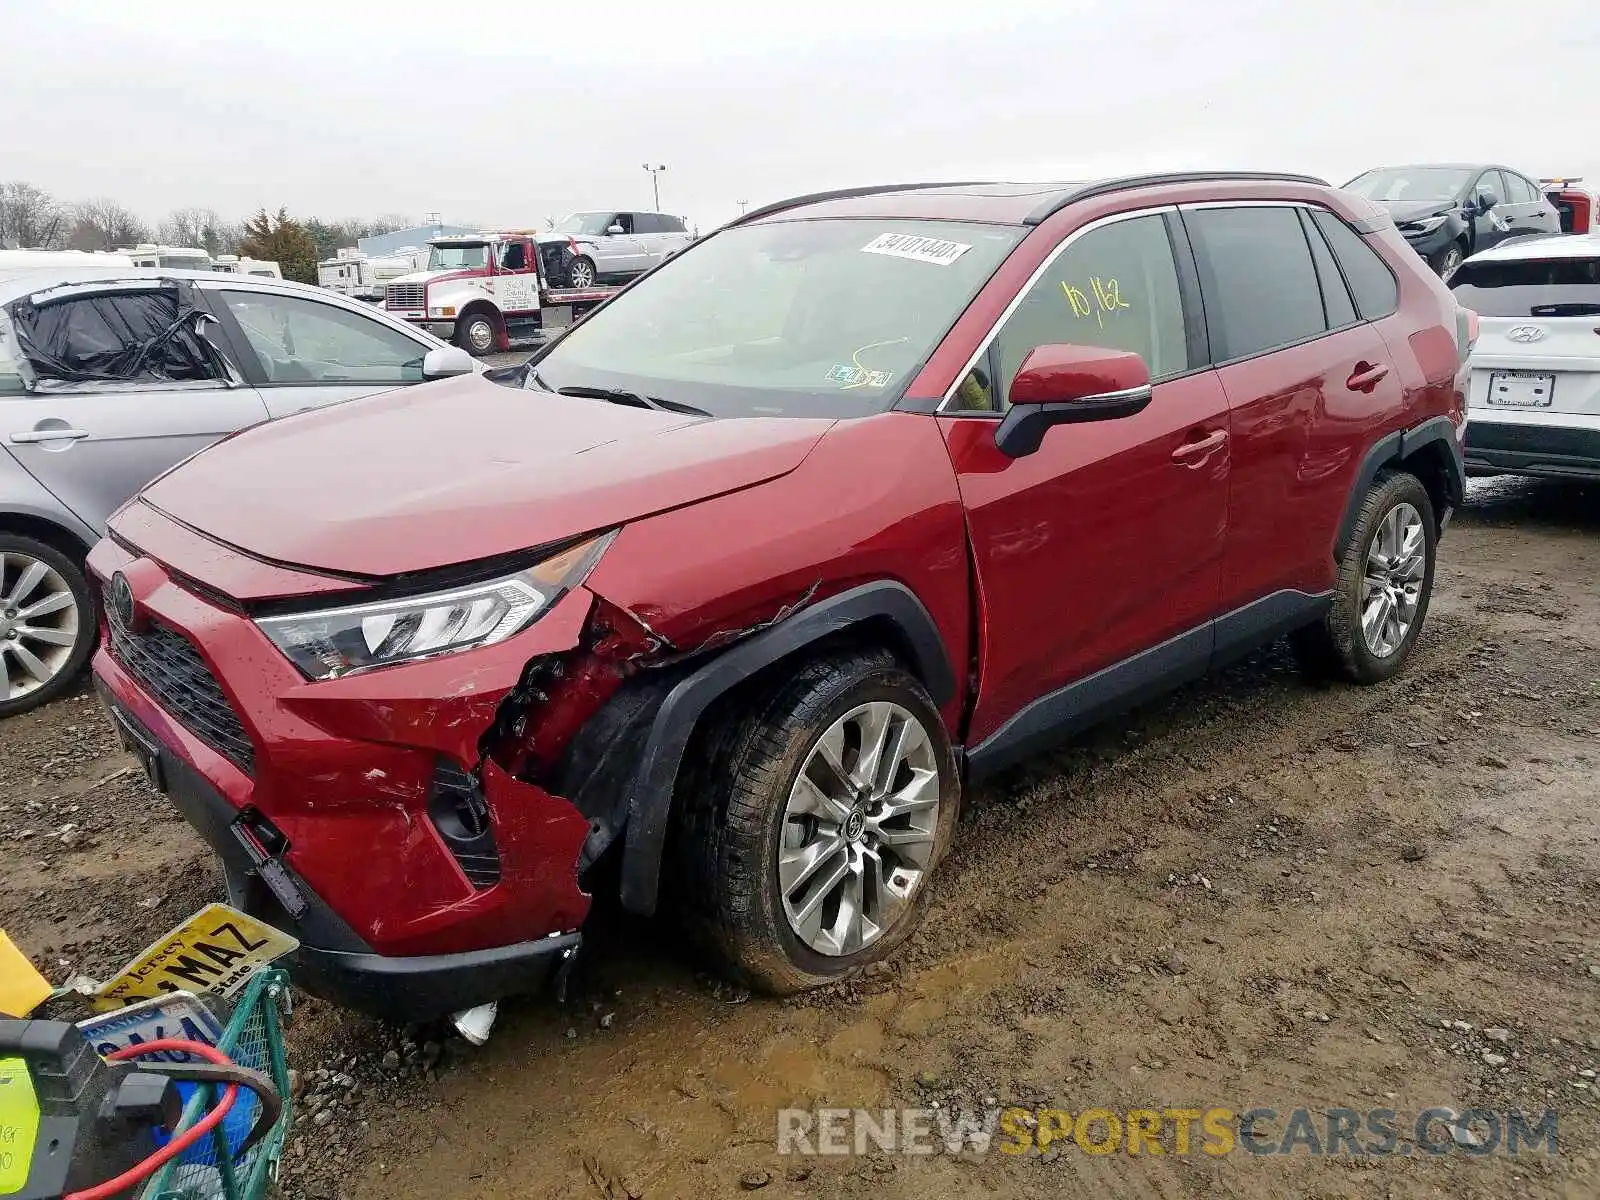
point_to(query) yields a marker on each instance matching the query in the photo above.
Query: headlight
(330, 642)
(1426, 225)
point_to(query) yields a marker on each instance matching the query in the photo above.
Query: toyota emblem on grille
(122, 600)
(1526, 333)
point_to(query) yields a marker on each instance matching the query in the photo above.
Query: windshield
(456, 258)
(1548, 287)
(1414, 185)
(590, 223)
(796, 318)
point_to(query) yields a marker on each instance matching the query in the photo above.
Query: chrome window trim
(1027, 287)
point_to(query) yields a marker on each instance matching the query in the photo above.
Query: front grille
(169, 667)
(405, 295)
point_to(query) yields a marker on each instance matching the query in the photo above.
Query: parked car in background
(110, 375)
(863, 497)
(1447, 211)
(1535, 398)
(1575, 206)
(608, 247)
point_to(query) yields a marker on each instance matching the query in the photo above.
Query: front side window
(1116, 287)
(827, 318)
(1417, 185)
(1533, 287)
(126, 336)
(466, 257)
(1257, 277)
(300, 341)
(1518, 189)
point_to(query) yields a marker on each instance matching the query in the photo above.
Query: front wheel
(804, 852)
(581, 274)
(477, 333)
(1447, 261)
(47, 623)
(1385, 583)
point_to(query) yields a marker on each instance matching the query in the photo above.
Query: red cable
(143, 1170)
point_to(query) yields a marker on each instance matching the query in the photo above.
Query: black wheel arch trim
(1396, 447)
(682, 707)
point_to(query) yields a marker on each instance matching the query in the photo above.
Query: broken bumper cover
(342, 775)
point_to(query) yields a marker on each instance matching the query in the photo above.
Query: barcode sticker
(917, 248)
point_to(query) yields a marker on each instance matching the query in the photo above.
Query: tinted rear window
(1256, 275)
(1550, 287)
(1377, 294)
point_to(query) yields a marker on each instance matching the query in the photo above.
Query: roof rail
(1050, 207)
(778, 206)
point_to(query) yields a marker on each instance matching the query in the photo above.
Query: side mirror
(1063, 385)
(1486, 200)
(614, 229)
(446, 361)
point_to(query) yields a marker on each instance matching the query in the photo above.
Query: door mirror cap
(443, 362)
(1066, 385)
(1486, 200)
(614, 229)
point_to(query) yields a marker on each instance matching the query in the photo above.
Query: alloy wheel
(859, 829)
(38, 623)
(581, 274)
(1392, 587)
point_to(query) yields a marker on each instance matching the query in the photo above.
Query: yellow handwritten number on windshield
(1104, 299)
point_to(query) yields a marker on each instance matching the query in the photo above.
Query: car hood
(1411, 210)
(460, 470)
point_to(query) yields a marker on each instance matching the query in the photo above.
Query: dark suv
(1448, 211)
(852, 503)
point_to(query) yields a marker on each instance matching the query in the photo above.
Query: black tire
(1445, 262)
(582, 268)
(478, 332)
(730, 818)
(85, 614)
(1335, 648)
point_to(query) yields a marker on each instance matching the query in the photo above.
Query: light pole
(655, 181)
(743, 205)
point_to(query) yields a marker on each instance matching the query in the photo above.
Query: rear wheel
(1385, 583)
(47, 623)
(477, 332)
(805, 848)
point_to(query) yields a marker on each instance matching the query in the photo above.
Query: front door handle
(1191, 453)
(1367, 376)
(50, 435)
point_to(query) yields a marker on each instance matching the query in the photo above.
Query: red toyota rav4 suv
(748, 574)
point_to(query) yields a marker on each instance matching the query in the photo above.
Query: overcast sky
(506, 113)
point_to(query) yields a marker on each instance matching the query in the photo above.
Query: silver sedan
(109, 375)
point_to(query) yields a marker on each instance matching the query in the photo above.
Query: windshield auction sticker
(917, 248)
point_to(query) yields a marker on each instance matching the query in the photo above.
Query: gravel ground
(1255, 893)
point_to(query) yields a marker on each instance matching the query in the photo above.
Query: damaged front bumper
(344, 810)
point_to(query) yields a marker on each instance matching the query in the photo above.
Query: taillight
(1466, 331)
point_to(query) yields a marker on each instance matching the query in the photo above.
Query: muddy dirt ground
(1257, 893)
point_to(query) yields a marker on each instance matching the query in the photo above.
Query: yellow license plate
(216, 950)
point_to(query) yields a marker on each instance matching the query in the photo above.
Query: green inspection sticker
(19, 1124)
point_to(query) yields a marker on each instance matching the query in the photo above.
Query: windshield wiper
(617, 396)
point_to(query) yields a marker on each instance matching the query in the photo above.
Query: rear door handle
(1190, 453)
(1367, 376)
(50, 435)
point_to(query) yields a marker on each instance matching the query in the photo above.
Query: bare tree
(190, 227)
(104, 224)
(30, 217)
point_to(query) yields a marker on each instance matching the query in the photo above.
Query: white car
(1534, 408)
(609, 247)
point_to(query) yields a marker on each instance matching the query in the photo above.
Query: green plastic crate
(208, 1169)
